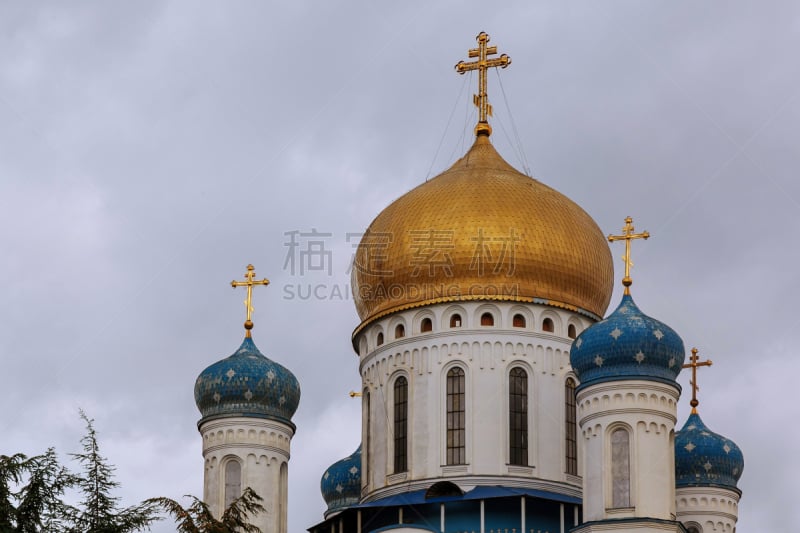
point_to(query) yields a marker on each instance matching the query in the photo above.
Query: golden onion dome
(481, 230)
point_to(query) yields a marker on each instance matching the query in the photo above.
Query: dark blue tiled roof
(704, 458)
(627, 345)
(247, 384)
(341, 483)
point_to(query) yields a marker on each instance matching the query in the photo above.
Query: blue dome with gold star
(247, 384)
(341, 483)
(704, 458)
(627, 345)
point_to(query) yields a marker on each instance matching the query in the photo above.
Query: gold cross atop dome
(481, 100)
(628, 235)
(249, 282)
(695, 362)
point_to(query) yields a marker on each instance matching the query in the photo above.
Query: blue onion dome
(704, 458)
(627, 345)
(341, 483)
(247, 384)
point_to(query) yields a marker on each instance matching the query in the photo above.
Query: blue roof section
(704, 458)
(417, 497)
(627, 345)
(247, 384)
(341, 483)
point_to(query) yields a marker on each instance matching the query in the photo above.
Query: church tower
(247, 402)
(627, 409)
(707, 469)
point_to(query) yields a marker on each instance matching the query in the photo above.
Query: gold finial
(628, 235)
(481, 100)
(248, 303)
(693, 365)
(354, 394)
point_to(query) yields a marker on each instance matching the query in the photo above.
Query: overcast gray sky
(149, 151)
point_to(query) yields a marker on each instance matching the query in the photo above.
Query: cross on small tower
(248, 303)
(693, 365)
(481, 100)
(628, 235)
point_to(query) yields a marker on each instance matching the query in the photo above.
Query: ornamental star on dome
(282, 400)
(639, 357)
(230, 373)
(339, 488)
(354, 470)
(672, 362)
(217, 397)
(327, 475)
(689, 447)
(616, 333)
(727, 448)
(658, 334)
(270, 375)
(598, 360)
(578, 343)
(708, 466)
(248, 395)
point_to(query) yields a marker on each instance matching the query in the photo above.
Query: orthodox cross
(695, 362)
(481, 100)
(628, 235)
(248, 303)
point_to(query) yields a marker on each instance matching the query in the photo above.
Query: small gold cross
(248, 303)
(483, 64)
(628, 235)
(693, 365)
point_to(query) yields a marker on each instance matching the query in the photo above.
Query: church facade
(495, 396)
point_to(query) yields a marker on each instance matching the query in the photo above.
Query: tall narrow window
(401, 425)
(547, 325)
(487, 319)
(380, 339)
(426, 325)
(518, 416)
(455, 321)
(570, 428)
(368, 437)
(233, 481)
(620, 468)
(399, 331)
(571, 331)
(456, 418)
(284, 498)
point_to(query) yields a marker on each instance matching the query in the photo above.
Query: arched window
(518, 321)
(487, 319)
(518, 416)
(380, 338)
(694, 529)
(399, 331)
(571, 331)
(284, 498)
(233, 481)
(368, 430)
(455, 321)
(401, 424)
(426, 325)
(547, 325)
(456, 417)
(570, 428)
(620, 468)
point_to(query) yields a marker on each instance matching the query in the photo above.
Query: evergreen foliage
(197, 518)
(32, 491)
(98, 511)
